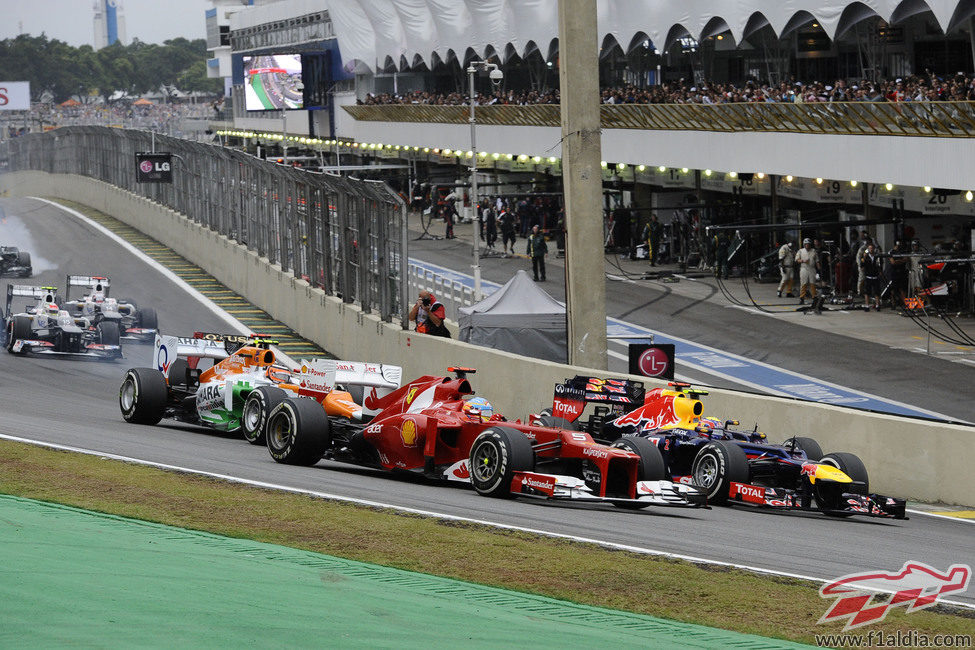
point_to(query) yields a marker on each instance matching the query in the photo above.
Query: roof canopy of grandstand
(411, 33)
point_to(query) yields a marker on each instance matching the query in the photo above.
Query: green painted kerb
(72, 577)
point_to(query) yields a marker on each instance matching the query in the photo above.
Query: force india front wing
(91, 351)
(867, 505)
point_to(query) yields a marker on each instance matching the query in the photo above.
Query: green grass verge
(583, 573)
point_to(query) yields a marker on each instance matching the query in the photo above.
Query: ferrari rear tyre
(495, 456)
(717, 465)
(555, 422)
(142, 397)
(108, 332)
(257, 408)
(829, 496)
(18, 330)
(650, 468)
(148, 319)
(813, 451)
(298, 432)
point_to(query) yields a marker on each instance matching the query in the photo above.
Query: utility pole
(585, 279)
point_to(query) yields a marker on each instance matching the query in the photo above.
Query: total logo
(748, 492)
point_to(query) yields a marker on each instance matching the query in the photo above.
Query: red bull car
(436, 426)
(731, 465)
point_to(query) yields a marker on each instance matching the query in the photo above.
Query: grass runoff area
(588, 574)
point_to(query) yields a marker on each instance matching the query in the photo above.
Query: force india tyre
(18, 330)
(108, 332)
(829, 496)
(651, 466)
(717, 465)
(298, 432)
(495, 456)
(813, 451)
(142, 397)
(257, 407)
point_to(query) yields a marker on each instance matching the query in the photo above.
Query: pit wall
(916, 459)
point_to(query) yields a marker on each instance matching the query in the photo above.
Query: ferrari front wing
(554, 486)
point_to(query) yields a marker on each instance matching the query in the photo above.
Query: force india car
(732, 466)
(436, 427)
(243, 385)
(96, 305)
(44, 328)
(15, 262)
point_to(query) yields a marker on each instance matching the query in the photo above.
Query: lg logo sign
(654, 362)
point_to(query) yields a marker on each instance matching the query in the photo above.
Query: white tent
(519, 317)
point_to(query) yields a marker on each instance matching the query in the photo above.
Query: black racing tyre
(555, 422)
(829, 496)
(142, 396)
(716, 466)
(17, 330)
(813, 451)
(148, 319)
(128, 301)
(545, 411)
(177, 371)
(298, 432)
(495, 456)
(108, 333)
(23, 260)
(257, 408)
(650, 468)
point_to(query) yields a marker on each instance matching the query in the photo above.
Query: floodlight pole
(471, 69)
(284, 134)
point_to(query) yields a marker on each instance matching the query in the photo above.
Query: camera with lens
(425, 302)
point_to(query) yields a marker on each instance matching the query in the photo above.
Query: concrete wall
(907, 458)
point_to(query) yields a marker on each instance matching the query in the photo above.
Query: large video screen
(272, 82)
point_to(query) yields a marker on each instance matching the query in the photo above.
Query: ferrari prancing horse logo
(411, 394)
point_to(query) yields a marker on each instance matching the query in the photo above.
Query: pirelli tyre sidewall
(257, 408)
(716, 466)
(495, 456)
(298, 432)
(143, 395)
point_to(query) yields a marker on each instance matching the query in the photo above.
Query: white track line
(430, 513)
(169, 275)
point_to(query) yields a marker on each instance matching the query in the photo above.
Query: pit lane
(74, 403)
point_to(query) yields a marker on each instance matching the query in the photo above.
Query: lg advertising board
(14, 95)
(153, 167)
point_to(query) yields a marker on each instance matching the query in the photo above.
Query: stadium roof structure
(408, 33)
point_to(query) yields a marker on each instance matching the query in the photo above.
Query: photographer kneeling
(429, 315)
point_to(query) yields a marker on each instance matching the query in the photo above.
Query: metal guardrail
(343, 235)
(928, 119)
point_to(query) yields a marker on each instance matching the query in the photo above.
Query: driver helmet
(478, 409)
(51, 309)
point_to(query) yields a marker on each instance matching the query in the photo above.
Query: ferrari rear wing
(325, 374)
(87, 281)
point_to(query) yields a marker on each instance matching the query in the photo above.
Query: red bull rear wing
(618, 395)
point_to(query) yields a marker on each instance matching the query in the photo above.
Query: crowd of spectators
(914, 88)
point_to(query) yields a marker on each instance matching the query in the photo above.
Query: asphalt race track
(75, 403)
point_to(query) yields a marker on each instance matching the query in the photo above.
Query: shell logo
(304, 369)
(408, 433)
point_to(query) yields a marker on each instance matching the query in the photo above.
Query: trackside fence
(344, 235)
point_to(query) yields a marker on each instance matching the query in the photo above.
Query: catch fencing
(344, 235)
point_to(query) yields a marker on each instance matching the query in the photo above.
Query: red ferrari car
(437, 427)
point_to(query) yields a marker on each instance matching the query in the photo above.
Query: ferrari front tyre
(495, 456)
(298, 432)
(829, 495)
(18, 330)
(813, 451)
(108, 332)
(148, 319)
(651, 466)
(257, 407)
(142, 397)
(716, 466)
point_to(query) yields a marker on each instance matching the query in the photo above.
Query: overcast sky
(72, 21)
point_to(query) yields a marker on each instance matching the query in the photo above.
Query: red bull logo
(808, 469)
(916, 586)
